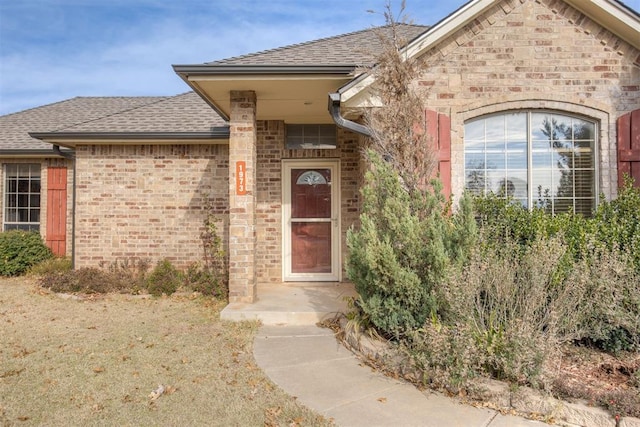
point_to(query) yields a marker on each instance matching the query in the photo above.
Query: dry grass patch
(97, 361)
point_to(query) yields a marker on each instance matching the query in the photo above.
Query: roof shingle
(358, 48)
(181, 113)
(15, 127)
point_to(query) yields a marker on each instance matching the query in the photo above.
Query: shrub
(446, 355)
(20, 250)
(51, 265)
(211, 277)
(512, 304)
(404, 248)
(120, 276)
(618, 222)
(611, 304)
(164, 279)
(201, 279)
(602, 256)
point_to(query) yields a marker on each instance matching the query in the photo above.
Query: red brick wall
(533, 54)
(147, 201)
(271, 151)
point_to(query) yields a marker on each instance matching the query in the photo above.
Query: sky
(51, 50)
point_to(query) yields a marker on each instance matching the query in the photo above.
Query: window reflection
(539, 158)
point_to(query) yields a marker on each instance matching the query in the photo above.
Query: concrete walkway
(309, 363)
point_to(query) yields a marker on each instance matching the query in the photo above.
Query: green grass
(96, 361)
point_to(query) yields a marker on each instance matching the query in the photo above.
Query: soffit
(292, 83)
(292, 98)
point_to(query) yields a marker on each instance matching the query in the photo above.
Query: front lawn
(97, 361)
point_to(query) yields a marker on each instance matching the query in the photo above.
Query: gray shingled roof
(15, 127)
(358, 48)
(181, 113)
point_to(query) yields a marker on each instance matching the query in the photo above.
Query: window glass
(538, 158)
(311, 136)
(22, 197)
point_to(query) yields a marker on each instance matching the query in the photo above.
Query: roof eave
(227, 77)
(613, 15)
(24, 153)
(229, 70)
(71, 139)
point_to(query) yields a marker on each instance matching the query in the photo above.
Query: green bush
(202, 279)
(20, 250)
(404, 248)
(618, 222)
(164, 279)
(602, 252)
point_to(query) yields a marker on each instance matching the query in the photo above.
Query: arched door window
(540, 158)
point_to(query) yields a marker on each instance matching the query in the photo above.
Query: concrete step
(293, 303)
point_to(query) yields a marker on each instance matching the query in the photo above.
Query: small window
(311, 137)
(540, 158)
(22, 197)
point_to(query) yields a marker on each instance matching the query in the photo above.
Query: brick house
(537, 97)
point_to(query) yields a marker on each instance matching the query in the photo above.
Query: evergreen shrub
(20, 250)
(405, 246)
(165, 278)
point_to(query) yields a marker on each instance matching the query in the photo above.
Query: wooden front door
(311, 221)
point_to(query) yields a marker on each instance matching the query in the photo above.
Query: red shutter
(57, 210)
(439, 131)
(629, 147)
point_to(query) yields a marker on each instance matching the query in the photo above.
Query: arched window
(540, 158)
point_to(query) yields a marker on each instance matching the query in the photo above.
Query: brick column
(242, 207)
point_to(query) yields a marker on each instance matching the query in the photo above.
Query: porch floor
(292, 303)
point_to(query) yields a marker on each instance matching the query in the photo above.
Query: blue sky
(52, 50)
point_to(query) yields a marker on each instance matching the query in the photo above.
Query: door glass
(311, 247)
(311, 221)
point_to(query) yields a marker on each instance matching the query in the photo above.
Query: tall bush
(20, 250)
(405, 246)
(407, 238)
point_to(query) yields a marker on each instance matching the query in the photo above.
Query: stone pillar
(242, 197)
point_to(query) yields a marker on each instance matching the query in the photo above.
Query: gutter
(237, 70)
(215, 133)
(340, 121)
(67, 155)
(28, 153)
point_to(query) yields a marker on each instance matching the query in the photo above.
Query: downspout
(72, 157)
(334, 109)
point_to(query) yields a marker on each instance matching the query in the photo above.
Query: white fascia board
(353, 93)
(448, 26)
(618, 11)
(614, 16)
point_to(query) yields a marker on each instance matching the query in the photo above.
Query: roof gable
(613, 15)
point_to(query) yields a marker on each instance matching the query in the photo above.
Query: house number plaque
(241, 178)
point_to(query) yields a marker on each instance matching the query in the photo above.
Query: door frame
(336, 235)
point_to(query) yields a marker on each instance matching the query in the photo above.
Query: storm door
(311, 243)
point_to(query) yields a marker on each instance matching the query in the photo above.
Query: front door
(311, 208)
